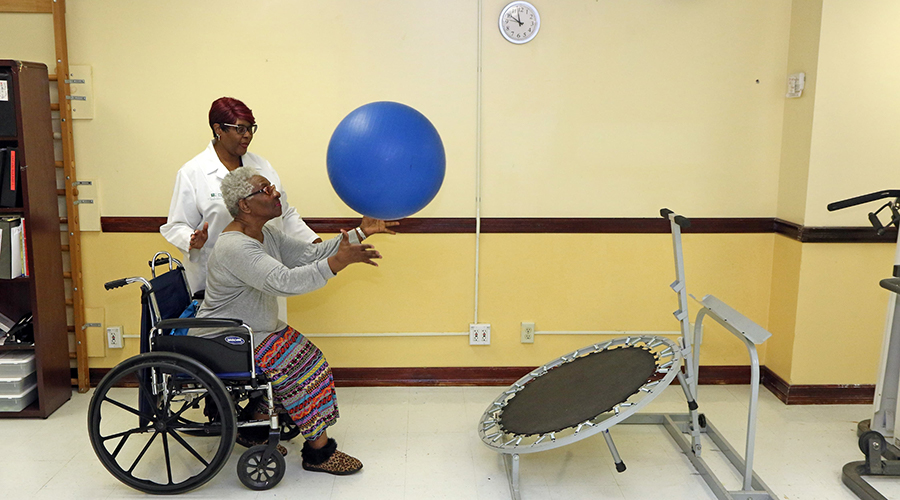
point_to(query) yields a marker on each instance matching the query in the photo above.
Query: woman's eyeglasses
(242, 129)
(266, 190)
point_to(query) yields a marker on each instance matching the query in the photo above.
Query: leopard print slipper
(339, 464)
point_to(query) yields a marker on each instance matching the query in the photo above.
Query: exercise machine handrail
(866, 198)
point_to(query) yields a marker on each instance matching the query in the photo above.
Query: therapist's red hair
(229, 110)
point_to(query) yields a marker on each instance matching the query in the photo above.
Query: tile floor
(421, 443)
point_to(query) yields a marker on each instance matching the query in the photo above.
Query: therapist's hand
(372, 226)
(199, 237)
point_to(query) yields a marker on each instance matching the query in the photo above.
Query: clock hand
(519, 18)
(514, 19)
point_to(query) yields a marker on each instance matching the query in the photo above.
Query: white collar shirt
(197, 199)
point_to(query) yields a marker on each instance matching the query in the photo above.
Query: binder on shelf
(16, 251)
(12, 248)
(7, 106)
(10, 179)
(25, 267)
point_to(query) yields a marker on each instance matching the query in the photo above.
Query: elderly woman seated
(253, 263)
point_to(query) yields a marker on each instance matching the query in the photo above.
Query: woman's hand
(199, 237)
(350, 254)
(371, 226)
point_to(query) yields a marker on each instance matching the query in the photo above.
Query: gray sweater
(244, 276)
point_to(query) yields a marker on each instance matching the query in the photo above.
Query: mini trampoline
(580, 394)
(596, 387)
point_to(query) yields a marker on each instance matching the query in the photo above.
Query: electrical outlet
(114, 337)
(527, 333)
(479, 334)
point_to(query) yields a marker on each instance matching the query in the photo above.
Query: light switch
(796, 82)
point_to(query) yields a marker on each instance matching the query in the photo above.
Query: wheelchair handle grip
(866, 198)
(115, 283)
(682, 221)
(160, 261)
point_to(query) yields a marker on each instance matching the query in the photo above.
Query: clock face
(519, 22)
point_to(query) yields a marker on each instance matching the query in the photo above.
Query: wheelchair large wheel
(156, 438)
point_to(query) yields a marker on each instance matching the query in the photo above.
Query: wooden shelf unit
(43, 292)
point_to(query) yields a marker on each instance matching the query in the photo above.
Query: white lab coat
(197, 198)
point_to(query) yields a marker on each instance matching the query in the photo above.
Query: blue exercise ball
(386, 160)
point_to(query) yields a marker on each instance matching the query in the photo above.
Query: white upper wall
(615, 109)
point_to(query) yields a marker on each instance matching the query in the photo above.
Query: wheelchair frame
(171, 385)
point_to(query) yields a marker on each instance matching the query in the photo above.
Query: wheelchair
(177, 430)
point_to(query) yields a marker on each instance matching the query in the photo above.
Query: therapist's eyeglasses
(242, 129)
(266, 190)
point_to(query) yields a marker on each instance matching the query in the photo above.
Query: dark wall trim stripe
(527, 225)
(506, 375)
(319, 225)
(131, 224)
(789, 229)
(833, 234)
(816, 394)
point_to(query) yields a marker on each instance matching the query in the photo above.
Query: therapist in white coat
(197, 213)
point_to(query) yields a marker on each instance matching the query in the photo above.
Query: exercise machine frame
(671, 358)
(878, 439)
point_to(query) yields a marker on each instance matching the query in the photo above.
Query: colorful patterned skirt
(301, 380)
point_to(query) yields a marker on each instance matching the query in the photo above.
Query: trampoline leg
(512, 474)
(620, 465)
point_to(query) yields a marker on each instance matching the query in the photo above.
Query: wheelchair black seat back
(226, 355)
(165, 421)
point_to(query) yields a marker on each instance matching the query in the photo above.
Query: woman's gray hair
(236, 186)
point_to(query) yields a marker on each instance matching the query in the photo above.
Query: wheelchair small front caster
(258, 474)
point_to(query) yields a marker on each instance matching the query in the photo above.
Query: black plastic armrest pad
(892, 284)
(167, 324)
(681, 220)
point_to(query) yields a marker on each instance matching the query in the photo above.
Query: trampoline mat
(578, 391)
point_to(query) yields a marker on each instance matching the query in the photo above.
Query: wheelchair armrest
(174, 323)
(892, 284)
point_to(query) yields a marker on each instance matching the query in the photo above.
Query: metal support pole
(751, 416)
(620, 465)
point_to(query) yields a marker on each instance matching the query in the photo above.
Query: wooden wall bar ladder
(70, 221)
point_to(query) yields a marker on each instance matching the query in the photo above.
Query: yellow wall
(616, 109)
(607, 121)
(840, 313)
(803, 57)
(852, 150)
(424, 284)
(783, 305)
(854, 146)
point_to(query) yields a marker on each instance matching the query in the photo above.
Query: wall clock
(519, 22)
